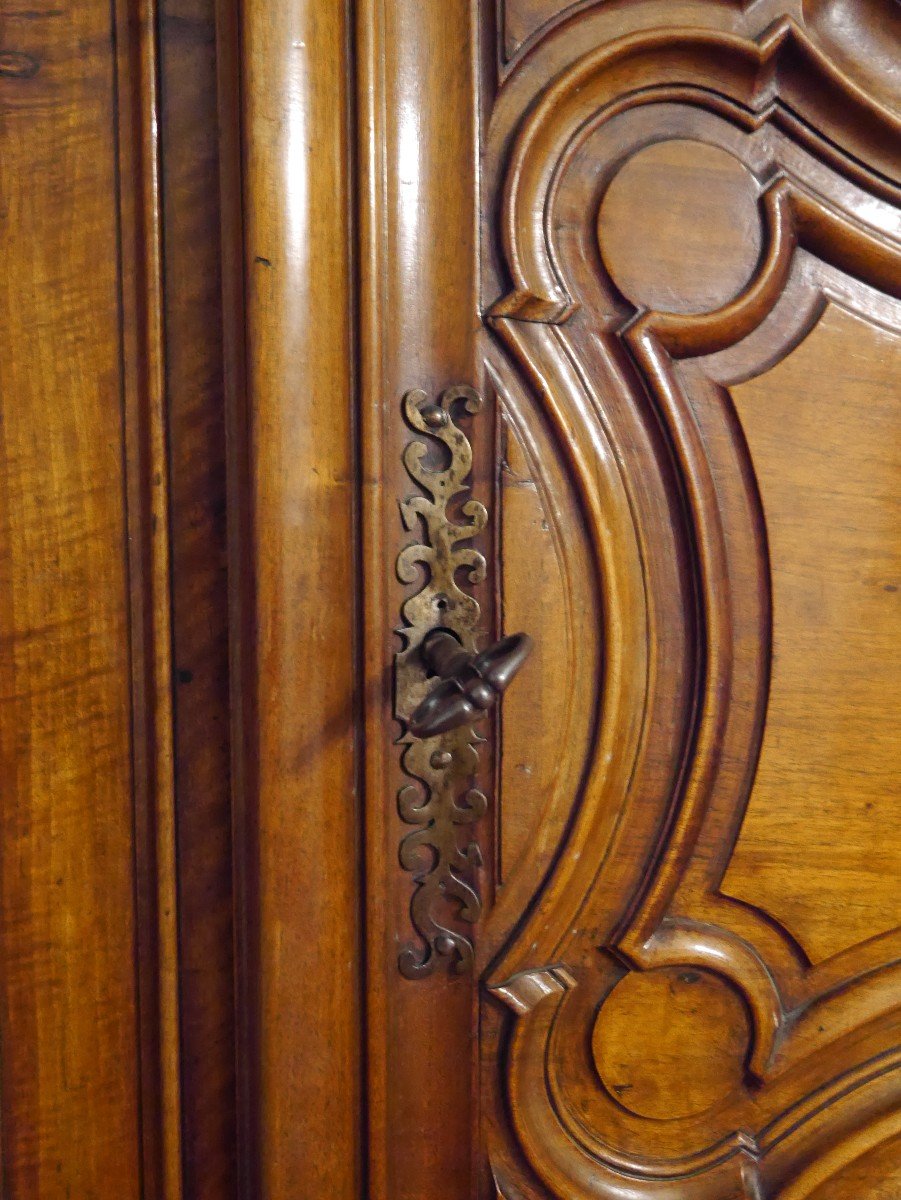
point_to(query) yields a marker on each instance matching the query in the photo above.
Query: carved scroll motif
(442, 801)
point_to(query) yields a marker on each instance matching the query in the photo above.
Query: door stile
(419, 321)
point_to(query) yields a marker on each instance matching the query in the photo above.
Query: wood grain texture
(192, 313)
(418, 312)
(534, 579)
(832, 714)
(662, 240)
(672, 194)
(69, 923)
(90, 1076)
(639, 1030)
(293, 570)
(149, 561)
(521, 20)
(631, 905)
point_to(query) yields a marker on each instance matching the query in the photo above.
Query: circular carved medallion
(679, 227)
(671, 1043)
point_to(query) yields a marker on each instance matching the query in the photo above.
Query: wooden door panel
(94, 1053)
(698, 267)
(582, 318)
(69, 1100)
(825, 791)
(619, 309)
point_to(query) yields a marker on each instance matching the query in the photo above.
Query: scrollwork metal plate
(441, 801)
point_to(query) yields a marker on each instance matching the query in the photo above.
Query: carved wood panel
(692, 282)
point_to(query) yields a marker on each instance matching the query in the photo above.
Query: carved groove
(442, 801)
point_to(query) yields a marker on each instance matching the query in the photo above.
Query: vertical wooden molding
(418, 327)
(289, 297)
(240, 582)
(149, 575)
(195, 415)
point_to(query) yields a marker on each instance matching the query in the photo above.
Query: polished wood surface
(117, 968)
(418, 323)
(69, 1028)
(640, 941)
(296, 612)
(697, 293)
(90, 1048)
(192, 313)
(836, 672)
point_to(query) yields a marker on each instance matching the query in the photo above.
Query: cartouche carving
(592, 361)
(442, 801)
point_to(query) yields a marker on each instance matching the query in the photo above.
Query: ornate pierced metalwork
(442, 800)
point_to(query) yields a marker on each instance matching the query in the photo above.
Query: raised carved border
(749, 84)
